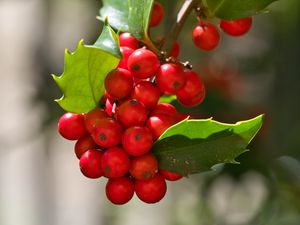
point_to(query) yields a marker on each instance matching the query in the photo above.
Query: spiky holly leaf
(194, 146)
(82, 81)
(128, 15)
(236, 9)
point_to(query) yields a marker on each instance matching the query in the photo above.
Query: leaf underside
(236, 9)
(82, 81)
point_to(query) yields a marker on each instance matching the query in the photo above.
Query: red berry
(170, 78)
(137, 140)
(126, 52)
(236, 27)
(132, 113)
(152, 190)
(166, 109)
(175, 50)
(193, 91)
(118, 83)
(90, 163)
(206, 36)
(143, 167)
(107, 133)
(157, 14)
(115, 162)
(146, 93)
(83, 144)
(92, 118)
(169, 175)
(159, 123)
(71, 126)
(143, 63)
(128, 40)
(119, 190)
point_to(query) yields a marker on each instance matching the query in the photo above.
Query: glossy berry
(206, 36)
(143, 167)
(146, 93)
(170, 78)
(126, 52)
(119, 190)
(119, 83)
(193, 92)
(90, 163)
(115, 162)
(169, 175)
(128, 40)
(159, 123)
(83, 144)
(166, 109)
(157, 14)
(175, 50)
(236, 27)
(92, 118)
(107, 133)
(71, 126)
(143, 63)
(151, 190)
(137, 140)
(132, 113)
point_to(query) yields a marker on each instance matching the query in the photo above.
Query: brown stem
(182, 15)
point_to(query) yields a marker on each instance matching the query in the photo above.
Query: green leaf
(82, 81)
(194, 146)
(236, 9)
(128, 16)
(108, 41)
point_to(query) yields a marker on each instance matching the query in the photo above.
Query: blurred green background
(40, 182)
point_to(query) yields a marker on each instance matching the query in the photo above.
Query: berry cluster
(206, 36)
(115, 140)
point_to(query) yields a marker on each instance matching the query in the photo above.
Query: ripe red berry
(119, 83)
(137, 140)
(157, 14)
(170, 78)
(83, 144)
(159, 123)
(175, 50)
(115, 162)
(90, 163)
(206, 36)
(146, 93)
(126, 52)
(166, 109)
(92, 118)
(119, 190)
(143, 167)
(169, 175)
(132, 113)
(236, 27)
(107, 133)
(128, 40)
(71, 126)
(193, 92)
(143, 63)
(152, 190)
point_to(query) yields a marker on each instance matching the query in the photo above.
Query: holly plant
(112, 91)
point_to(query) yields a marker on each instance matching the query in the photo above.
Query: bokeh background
(40, 182)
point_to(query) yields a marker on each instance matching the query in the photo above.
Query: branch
(182, 15)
